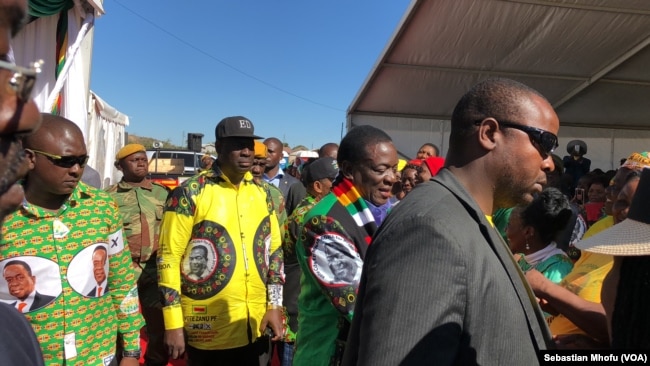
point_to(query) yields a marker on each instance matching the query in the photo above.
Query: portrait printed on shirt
(29, 283)
(200, 260)
(335, 261)
(207, 266)
(88, 271)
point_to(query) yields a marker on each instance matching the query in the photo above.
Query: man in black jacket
(292, 189)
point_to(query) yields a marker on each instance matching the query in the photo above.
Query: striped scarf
(350, 198)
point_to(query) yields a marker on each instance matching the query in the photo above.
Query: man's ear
(317, 186)
(30, 157)
(117, 165)
(487, 133)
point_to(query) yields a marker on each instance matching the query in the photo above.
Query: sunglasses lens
(70, 161)
(548, 141)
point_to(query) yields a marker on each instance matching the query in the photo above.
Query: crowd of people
(354, 257)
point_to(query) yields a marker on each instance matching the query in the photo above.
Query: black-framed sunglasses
(22, 81)
(547, 141)
(64, 161)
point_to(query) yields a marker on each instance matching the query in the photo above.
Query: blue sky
(291, 66)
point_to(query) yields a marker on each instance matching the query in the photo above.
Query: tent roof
(588, 57)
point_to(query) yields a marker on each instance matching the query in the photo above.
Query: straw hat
(630, 237)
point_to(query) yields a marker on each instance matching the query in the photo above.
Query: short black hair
(498, 98)
(435, 148)
(548, 213)
(101, 247)
(599, 179)
(203, 249)
(20, 263)
(354, 145)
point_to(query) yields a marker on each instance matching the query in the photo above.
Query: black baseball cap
(320, 168)
(236, 126)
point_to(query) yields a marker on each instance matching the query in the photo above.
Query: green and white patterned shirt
(83, 289)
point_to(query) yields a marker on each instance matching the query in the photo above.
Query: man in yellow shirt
(225, 212)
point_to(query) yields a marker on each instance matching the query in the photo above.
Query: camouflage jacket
(141, 209)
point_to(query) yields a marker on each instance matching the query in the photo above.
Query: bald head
(330, 149)
(52, 128)
(57, 155)
(501, 99)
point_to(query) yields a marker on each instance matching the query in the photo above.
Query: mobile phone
(580, 195)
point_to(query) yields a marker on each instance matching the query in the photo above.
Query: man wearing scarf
(335, 237)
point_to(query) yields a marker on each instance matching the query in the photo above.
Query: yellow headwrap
(637, 161)
(128, 150)
(401, 163)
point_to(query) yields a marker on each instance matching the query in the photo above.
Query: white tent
(590, 58)
(102, 125)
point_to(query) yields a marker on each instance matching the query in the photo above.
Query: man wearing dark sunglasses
(59, 225)
(18, 117)
(439, 256)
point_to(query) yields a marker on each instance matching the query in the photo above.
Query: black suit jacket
(40, 300)
(93, 292)
(293, 192)
(18, 343)
(439, 287)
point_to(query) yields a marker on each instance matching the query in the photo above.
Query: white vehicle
(172, 167)
(160, 160)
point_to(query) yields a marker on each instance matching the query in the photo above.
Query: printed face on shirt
(21, 283)
(135, 167)
(99, 261)
(198, 261)
(342, 267)
(374, 176)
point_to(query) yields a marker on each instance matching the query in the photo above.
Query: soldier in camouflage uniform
(141, 204)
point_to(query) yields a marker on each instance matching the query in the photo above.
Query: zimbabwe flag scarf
(350, 198)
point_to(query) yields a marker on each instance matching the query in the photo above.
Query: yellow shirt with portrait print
(239, 229)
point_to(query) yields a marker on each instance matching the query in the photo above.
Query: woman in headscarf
(625, 290)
